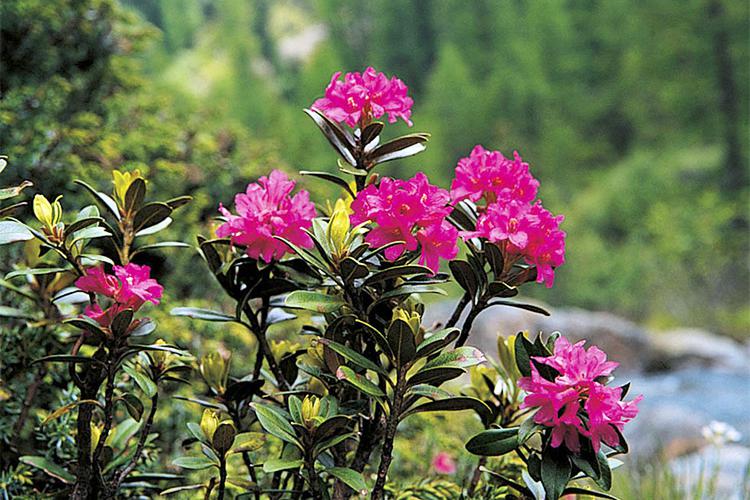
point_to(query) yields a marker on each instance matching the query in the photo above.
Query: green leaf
(396, 272)
(133, 405)
(401, 339)
(194, 463)
(495, 258)
(11, 192)
(435, 376)
(87, 325)
(104, 199)
(527, 307)
(12, 231)
(151, 214)
(556, 470)
(429, 391)
(178, 489)
(68, 407)
(354, 357)
(279, 464)
(155, 228)
(527, 429)
(605, 472)
(49, 467)
(248, 441)
(352, 269)
(494, 442)
(176, 203)
(314, 301)
(66, 358)
(80, 224)
(12, 312)
(402, 147)
(163, 244)
(462, 357)
(359, 382)
(436, 341)
(330, 178)
(337, 137)
(523, 357)
(371, 132)
(588, 493)
(142, 381)
(351, 478)
(203, 314)
(465, 276)
(40, 271)
(275, 423)
(455, 403)
(223, 437)
(121, 322)
(135, 194)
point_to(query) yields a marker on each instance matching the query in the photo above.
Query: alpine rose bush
(509, 218)
(413, 212)
(266, 210)
(360, 97)
(575, 402)
(130, 287)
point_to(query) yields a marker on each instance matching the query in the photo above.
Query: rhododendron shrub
(316, 415)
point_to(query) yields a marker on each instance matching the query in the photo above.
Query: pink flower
(576, 403)
(490, 175)
(443, 463)
(412, 212)
(266, 210)
(130, 287)
(361, 97)
(576, 365)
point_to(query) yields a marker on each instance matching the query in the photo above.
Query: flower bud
(159, 358)
(209, 423)
(214, 368)
(96, 433)
(338, 227)
(411, 318)
(49, 214)
(310, 409)
(122, 181)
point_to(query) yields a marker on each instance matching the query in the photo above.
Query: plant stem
(264, 349)
(390, 434)
(222, 476)
(108, 415)
(457, 312)
(476, 476)
(145, 430)
(466, 327)
(312, 476)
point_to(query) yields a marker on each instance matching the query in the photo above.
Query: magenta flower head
(577, 402)
(266, 209)
(130, 287)
(509, 218)
(443, 463)
(412, 212)
(361, 97)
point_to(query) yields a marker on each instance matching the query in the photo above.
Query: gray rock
(695, 347)
(622, 340)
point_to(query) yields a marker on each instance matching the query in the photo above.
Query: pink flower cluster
(443, 463)
(361, 97)
(412, 212)
(266, 210)
(576, 403)
(510, 218)
(129, 287)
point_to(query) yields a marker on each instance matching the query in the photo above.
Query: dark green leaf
(337, 137)
(278, 464)
(556, 470)
(135, 194)
(495, 258)
(371, 132)
(465, 276)
(133, 405)
(435, 376)
(352, 269)
(351, 478)
(223, 437)
(401, 340)
(354, 357)
(330, 178)
(396, 272)
(402, 147)
(175, 203)
(436, 341)
(587, 493)
(494, 442)
(204, 314)
(455, 403)
(314, 301)
(105, 200)
(194, 463)
(359, 382)
(121, 322)
(150, 215)
(155, 228)
(49, 467)
(528, 307)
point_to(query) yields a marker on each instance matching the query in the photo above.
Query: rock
(695, 347)
(622, 340)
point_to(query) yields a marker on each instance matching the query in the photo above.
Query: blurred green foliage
(630, 114)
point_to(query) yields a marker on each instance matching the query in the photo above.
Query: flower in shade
(130, 287)
(443, 463)
(265, 210)
(412, 212)
(360, 97)
(575, 402)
